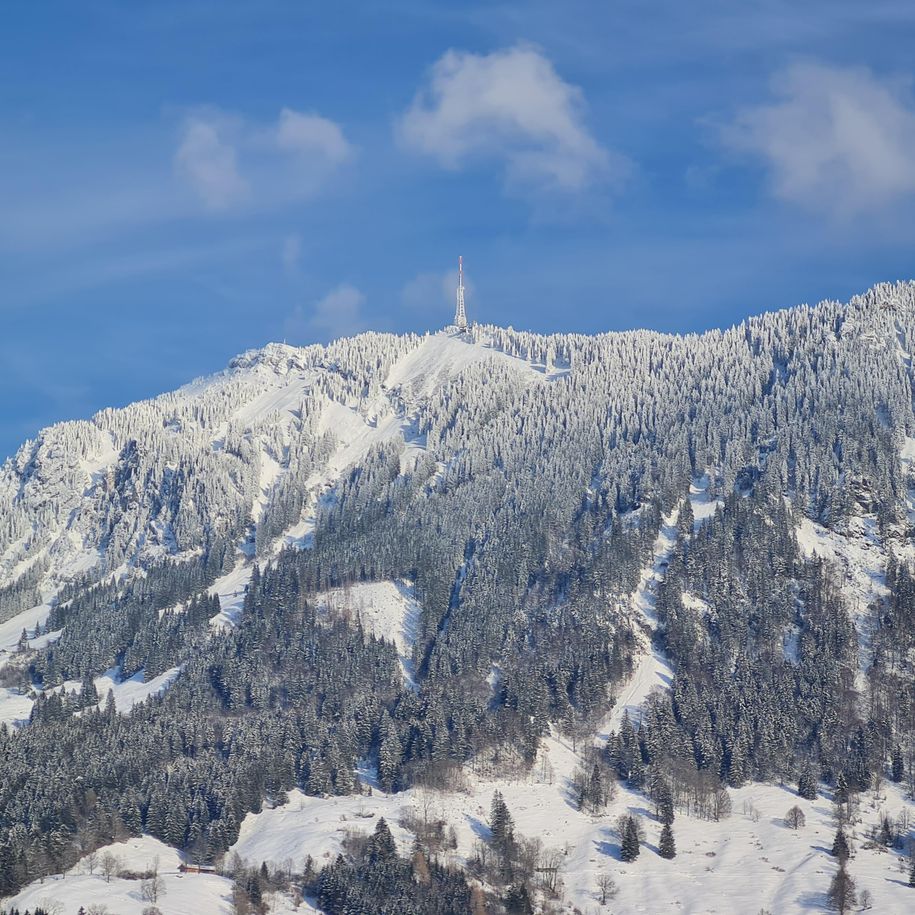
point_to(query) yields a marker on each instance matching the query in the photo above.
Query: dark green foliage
(897, 765)
(664, 803)
(382, 846)
(840, 847)
(386, 886)
(501, 824)
(667, 847)
(518, 901)
(806, 784)
(527, 521)
(629, 846)
(842, 896)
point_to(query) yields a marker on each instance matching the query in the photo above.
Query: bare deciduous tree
(152, 888)
(794, 818)
(91, 861)
(607, 886)
(109, 865)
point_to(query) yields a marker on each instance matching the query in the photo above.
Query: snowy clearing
(185, 894)
(387, 609)
(231, 591)
(701, 502)
(134, 690)
(441, 356)
(14, 708)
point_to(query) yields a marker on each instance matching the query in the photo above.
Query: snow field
(183, 894)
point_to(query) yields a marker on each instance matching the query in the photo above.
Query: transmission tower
(460, 316)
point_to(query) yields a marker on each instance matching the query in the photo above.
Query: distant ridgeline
(519, 482)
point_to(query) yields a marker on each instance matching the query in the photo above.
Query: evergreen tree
(667, 847)
(806, 785)
(664, 800)
(88, 693)
(382, 846)
(897, 765)
(840, 847)
(518, 900)
(629, 848)
(842, 896)
(500, 823)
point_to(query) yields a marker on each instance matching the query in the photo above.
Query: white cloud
(835, 139)
(227, 160)
(510, 105)
(310, 135)
(338, 314)
(209, 163)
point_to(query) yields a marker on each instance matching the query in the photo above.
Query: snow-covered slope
(745, 863)
(108, 495)
(180, 894)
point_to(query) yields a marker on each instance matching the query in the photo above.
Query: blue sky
(181, 181)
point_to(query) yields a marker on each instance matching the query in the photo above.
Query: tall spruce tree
(666, 846)
(629, 847)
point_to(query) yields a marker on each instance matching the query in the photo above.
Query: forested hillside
(737, 507)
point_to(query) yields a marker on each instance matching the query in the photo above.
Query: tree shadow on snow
(817, 902)
(610, 849)
(480, 829)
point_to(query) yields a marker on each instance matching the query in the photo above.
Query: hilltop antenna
(460, 316)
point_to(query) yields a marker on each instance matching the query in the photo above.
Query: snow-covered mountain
(200, 467)
(587, 572)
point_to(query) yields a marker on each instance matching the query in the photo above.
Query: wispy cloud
(338, 314)
(836, 140)
(208, 161)
(227, 160)
(512, 107)
(310, 135)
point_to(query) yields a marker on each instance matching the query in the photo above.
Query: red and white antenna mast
(460, 316)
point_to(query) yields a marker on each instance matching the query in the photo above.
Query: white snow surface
(445, 355)
(387, 609)
(15, 708)
(701, 502)
(742, 864)
(197, 894)
(11, 629)
(184, 894)
(652, 669)
(133, 690)
(231, 590)
(316, 826)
